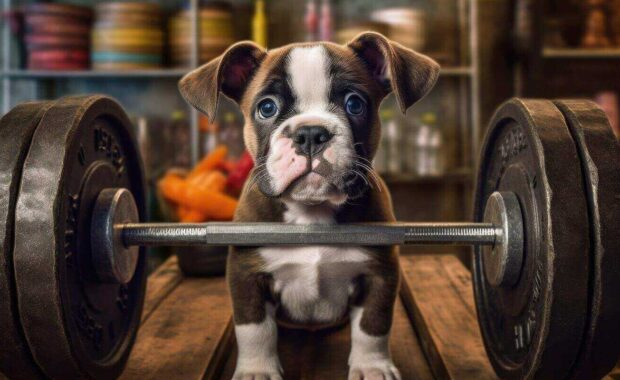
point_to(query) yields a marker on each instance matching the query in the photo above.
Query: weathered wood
(160, 284)
(438, 295)
(323, 354)
(614, 374)
(187, 335)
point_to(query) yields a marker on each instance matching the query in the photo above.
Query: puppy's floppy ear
(409, 74)
(229, 74)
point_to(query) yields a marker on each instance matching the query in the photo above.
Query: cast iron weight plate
(600, 155)
(76, 327)
(534, 329)
(16, 130)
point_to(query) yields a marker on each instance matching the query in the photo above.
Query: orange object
(188, 215)
(213, 204)
(172, 185)
(212, 180)
(210, 162)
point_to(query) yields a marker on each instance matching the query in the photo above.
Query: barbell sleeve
(257, 234)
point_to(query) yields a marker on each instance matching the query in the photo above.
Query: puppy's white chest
(314, 283)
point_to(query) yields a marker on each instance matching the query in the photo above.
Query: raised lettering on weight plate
(512, 144)
(105, 142)
(73, 206)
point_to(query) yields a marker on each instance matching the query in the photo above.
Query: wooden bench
(187, 330)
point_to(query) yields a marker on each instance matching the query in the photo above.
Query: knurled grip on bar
(258, 234)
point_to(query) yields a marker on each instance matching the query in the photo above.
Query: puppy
(312, 126)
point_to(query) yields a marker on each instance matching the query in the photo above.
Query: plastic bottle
(326, 23)
(429, 144)
(311, 21)
(259, 24)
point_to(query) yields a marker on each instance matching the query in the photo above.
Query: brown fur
(250, 287)
(381, 66)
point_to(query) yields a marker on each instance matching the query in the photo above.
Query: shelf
(456, 176)
(581, 53)
(456, 71)
(146, 74)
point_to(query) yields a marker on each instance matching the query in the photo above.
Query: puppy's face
(311, 120)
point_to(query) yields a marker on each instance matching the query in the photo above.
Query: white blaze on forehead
(308, 70)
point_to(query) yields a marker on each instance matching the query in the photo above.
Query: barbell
(73, 267)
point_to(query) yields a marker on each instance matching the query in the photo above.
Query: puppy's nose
(311, 139)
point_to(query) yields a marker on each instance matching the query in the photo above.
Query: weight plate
(75, 11)
(59, 55)
(120, 66)
(76, 327)
(109, 20)
(47, 41)
(600, 156)
(16, 129)
(57, 66)
(129, 33)
(534, 328)
(110, 56)
(40, 24)
(119, 7)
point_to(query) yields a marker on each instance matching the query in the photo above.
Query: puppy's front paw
(258, 369)
(257, 376)
(381, 370)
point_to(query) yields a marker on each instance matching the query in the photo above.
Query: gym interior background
(489, 50)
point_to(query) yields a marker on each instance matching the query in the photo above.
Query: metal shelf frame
(466, 75)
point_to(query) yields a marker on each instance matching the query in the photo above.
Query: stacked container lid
(215, 28)
(57, 36)
(127, 36)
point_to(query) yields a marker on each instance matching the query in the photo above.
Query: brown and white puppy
(312, 126)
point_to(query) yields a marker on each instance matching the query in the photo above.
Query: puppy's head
(311, 120)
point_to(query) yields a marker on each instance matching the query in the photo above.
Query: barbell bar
(115, 232)
(544, 232)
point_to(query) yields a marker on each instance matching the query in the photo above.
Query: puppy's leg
(255, 330)
(371, 321)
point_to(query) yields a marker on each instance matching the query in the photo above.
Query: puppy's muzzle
(311, 140)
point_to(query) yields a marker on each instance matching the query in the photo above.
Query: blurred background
(136, 52)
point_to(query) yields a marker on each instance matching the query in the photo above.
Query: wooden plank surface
(187, 336)
(323, 354)
(437, 293)
(160, 284)
(614, 374)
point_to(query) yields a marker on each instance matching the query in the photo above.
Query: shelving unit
(146, 74)
(9, 73)
(460, 80)
(458, 176)
(163, 73)
(580, 53)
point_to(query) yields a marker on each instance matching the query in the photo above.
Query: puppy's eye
(354, 105)
(267, 108)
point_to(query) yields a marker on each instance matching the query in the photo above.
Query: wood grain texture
(438, 295)
(187, 335)
(323, 354)
(160, 284)
(614, 374)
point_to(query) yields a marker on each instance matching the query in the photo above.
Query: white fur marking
(257, 345)
(369, 353)
(308, 69)
(314, 282)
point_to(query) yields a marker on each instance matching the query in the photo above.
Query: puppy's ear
(229, 74)
(409, 74)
